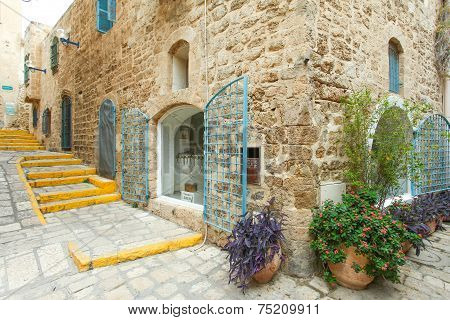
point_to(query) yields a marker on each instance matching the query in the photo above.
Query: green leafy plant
(377, 140)
(359, 223)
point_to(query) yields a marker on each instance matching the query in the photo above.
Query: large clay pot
(346, 276)
(434, 223)
(266, 274)
(406, 246)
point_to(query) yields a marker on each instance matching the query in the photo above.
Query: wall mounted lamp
(31, 67)
(65, 39)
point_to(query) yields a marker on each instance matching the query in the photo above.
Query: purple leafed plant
(423, 208)
(254, 242)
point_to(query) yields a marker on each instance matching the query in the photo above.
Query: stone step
(17, 139)
(50, 182)
(51, 162)
(48, 156)
(13, 131)
(63, 173)
(67, 195)
(19, 144)
(12, 136)
(21, 148)
(78, 203)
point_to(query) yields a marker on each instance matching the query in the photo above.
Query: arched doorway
(180, 155)
(107, 139)
(66, 125)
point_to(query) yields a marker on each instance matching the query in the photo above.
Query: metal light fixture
(65, 39)
(30, 66)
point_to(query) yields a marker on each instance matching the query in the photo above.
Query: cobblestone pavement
(34, 263)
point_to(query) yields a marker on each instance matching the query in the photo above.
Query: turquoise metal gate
(225, 160)
(135, 156)
(432, 146)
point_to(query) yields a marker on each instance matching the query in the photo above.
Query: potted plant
(357, 242)
(424, 214)
(255, 247)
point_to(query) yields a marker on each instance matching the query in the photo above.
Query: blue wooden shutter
(54, 54)
(394, 69)
(112, 10)
(103, 22)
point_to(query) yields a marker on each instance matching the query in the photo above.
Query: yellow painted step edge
(84, 262)
(78, 203)
(51, 163)
(106, 184)
(34, 203)
(51, 182)
(26, 148)
(61, 174)
(68, 195)
(49, 156)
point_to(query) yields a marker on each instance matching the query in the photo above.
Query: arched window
(54, 55)
(392, 131)
(180, 65)
(46, 122)
(394, 66)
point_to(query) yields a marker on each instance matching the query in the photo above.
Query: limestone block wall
(33, 46)
(300, 56)
(350, 52)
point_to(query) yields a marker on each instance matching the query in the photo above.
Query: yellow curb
(51, 182)
(103, 183)
(81, 260)
(51, 163)
(84, 263)
(49, 156)
(73, 194)
(61, 174)
(78, 203)
(34, 203)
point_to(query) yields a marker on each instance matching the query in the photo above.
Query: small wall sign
(7, 88)
(10, 109)
(187, 196)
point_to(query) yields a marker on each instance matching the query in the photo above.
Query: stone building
(10, 59)
(167, 58)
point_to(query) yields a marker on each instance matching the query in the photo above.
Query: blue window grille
(46, 122)
(106, 15)
(394, 69)
(225, 160)
(135, 127)
(432, 147)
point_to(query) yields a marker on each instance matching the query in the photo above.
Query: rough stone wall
(351, 53)
(22, 120)
(300, 56)
(33, 45)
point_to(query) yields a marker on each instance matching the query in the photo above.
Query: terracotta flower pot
(346, 276)
(266, 274)
(406, 246)
(434, 223)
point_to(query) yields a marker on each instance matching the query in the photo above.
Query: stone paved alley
(34, 262)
